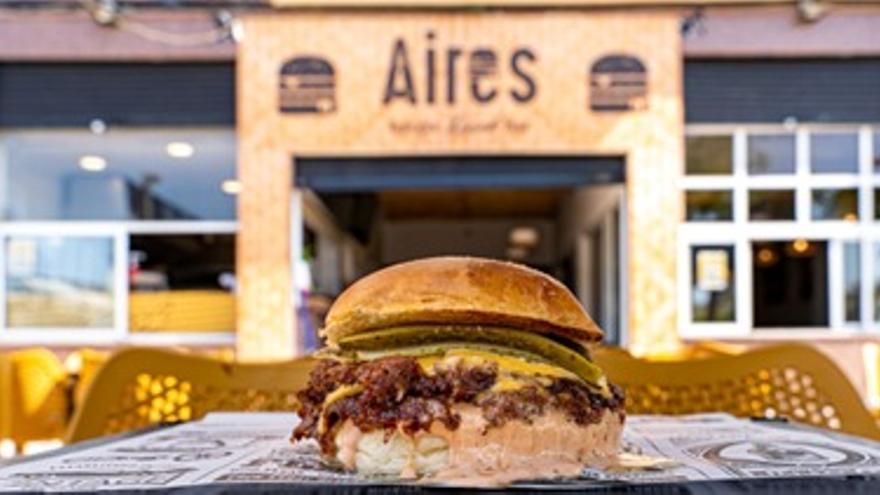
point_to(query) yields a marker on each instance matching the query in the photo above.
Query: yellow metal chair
(871, 361)
(84, 364)
(793, 381)
(140, 387)
(181, 311)
(5, 401)
(34, 400)
(698, 350)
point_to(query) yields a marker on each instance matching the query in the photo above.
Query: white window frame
(740, 231)
(189, 227)
(119, 332)
(81, 335)
(120, 232)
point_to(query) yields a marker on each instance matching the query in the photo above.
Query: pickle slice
(441, 348)
(392, 341)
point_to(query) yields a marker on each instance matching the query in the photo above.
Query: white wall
(583, 209)
(32, 195)
(404, 240)
(341, 259)
(582, 212)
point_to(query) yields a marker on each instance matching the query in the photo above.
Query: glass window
(876, 157)
(182, 283)
(790, 283)
(771, 204)
(771, 154)
(55, 281)
(834, 153)
(877, 282)
(709, 205)
(712, 287)
(709, 155)
(852, 281)
(123, 174)
(835, 204)
(877, 204)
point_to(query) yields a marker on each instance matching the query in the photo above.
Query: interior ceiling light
(104, 12)
(92, 163)
(97, 126)
(766, 256)
(811, 10)
(517, 253)
(524, 236)
(180, 149)
(800, 245)
(231, 186)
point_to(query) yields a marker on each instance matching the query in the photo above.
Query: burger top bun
(459, 291)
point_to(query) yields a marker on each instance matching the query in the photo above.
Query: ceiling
(471, 203)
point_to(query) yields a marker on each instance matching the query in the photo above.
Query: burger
(462, 370)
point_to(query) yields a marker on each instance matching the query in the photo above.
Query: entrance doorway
(560, 215)
(600, 287)
(790, 283)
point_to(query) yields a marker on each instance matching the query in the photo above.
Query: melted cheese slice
(508, 384)
(342, 392)
(506, 364)
(513, 373)
(336, 395)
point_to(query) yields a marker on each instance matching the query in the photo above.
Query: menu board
(253, 448)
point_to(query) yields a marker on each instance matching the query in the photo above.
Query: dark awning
(130, 94)
(773, 90)
(373, 174)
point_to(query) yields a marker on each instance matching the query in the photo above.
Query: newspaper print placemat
(254, 448)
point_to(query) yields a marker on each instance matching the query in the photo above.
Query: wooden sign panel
(432, 83)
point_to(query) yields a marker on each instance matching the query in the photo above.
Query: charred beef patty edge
(397, 393)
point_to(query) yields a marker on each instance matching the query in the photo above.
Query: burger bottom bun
(550, 446)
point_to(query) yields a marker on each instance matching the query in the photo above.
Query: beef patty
(396, 392)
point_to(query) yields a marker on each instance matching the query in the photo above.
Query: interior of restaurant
(569, 230)
(118, 234)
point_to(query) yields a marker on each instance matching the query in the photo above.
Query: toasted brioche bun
(459, 291)
(546, 447)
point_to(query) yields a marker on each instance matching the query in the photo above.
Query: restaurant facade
(198, 177)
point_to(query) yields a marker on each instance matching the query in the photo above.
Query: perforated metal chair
(793, 381)
(141, 387)
(699, 350)
(5, 403)
(34, 403)
(84, 365)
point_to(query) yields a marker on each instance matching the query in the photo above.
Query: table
(249, 453)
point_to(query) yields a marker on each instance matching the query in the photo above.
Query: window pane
(771, 154)
(182, 283)
(835, 204)
(851, 280)
(164, 174)
(790, 283)
(771, 205)
(876, 158)
(709, 155)
(712, 289)
(59, 281)
(837, 152)
(709, 205)
(877, 204)
(877, 282)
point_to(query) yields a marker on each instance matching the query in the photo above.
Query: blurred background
(118, 188)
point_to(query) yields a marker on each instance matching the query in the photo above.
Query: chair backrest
(90, 362)
(5, 400)
(140, 387)
(34, 396)
(792, 381)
